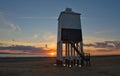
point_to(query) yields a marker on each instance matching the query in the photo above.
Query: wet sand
(100, 66)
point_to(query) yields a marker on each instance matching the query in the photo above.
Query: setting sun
(52, 54)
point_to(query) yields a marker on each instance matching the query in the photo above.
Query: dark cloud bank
(105, 44)
(32, 49)
(23, 48)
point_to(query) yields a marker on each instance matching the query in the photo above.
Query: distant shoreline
(39, 55)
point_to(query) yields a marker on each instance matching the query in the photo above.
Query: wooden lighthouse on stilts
(69, 40)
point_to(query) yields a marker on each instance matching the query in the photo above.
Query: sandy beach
(37, 66)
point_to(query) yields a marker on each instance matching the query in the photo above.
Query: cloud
(18, 47)
(106, 47)
(102, 45)
(105, 44)
(103, 48)
(88, 45)
(23, 49)
(115, 43)
(49, 37)
(15, 27)
(7, 24)
(12, 26)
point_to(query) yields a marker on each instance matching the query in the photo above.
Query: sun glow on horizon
(52, 54)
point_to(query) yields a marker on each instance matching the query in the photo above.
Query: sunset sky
(30, 26)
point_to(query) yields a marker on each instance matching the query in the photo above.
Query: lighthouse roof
(68, 11)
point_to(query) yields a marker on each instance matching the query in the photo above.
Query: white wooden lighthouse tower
(69, 39)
